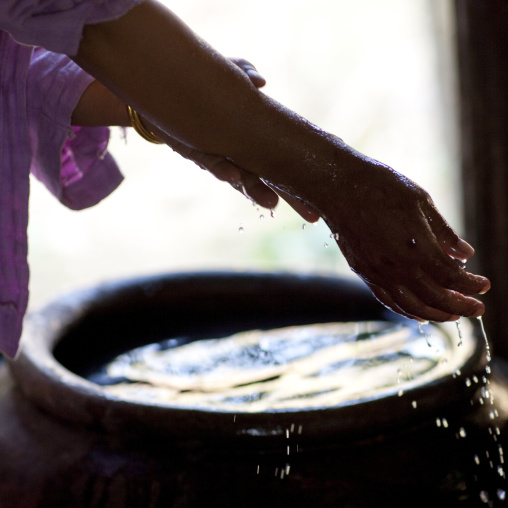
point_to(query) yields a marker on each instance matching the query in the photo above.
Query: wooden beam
(482, 42)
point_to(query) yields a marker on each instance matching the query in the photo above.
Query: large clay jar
(66, 441)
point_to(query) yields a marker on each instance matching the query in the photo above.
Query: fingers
(420, 296)
(301, 208)
(450, 242)
(257, 80)
(258, 191)
(447, 306)
(385, 298)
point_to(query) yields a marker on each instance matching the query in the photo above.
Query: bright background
(377, 74)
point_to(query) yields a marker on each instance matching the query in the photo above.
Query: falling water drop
(462, 432)
(487, 346)
(501, 494)
(304, 225)
(424, 333)
(241, 230)
(484, 496)
(459, 331)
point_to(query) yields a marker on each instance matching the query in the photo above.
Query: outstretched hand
(394, 238)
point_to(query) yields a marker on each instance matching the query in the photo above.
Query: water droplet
(493, 414)
(287, 433)
(484, 496)
(240, 229)
(475, 379)
(272, 213)
(261, 217)
(288, 468)
(462, 432)
(424, 333)
(304, 226)
(445, 423)
(459, 331)
(414, 404)
(287, 449)
(501, 494)
(477, 460)
(438, 422)
(487, 346)
(488, 370)
(401, 393)
(300, 428)
(500, 471)
(468, 382)
(257, 470)
(326, 245)
(292, 427)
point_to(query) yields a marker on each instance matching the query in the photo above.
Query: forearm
(151, 60)
(98, 106)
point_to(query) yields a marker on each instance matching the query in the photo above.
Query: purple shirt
(39, 90)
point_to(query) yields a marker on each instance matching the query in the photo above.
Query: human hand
(395, 239)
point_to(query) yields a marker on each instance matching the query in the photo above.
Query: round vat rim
(66, 395)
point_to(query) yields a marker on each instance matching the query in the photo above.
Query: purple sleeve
(57, 25)
(73, 163)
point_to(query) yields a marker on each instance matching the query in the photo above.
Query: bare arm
(388, 229)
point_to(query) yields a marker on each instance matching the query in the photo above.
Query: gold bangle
(138, 126)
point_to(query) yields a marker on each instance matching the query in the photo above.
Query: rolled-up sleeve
(73, 163)
(57, 25)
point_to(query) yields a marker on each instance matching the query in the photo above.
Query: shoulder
(57, 25)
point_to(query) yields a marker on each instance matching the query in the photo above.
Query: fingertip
(479, 313)
(256, 78)
(485, 288)
(463, 250)
(311, 216)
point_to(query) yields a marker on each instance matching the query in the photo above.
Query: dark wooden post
(482, 40)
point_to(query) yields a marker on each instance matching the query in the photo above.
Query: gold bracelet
(138, 126)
